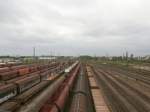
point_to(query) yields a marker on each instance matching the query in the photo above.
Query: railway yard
(73, 86)
(74, 56)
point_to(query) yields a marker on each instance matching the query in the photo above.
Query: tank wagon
(57, 101)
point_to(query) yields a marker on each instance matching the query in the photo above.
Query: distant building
(9, 60)
(46, 58)
(6, 60)
(110, 58)
(146, 57)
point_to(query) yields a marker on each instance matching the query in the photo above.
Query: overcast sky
(73, 27)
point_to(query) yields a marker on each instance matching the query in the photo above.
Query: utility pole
(127, 58)
(34, 54)
(127, 55)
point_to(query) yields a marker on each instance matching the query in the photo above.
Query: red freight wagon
(23, 71)
(15, 79)
(5, 69)
(8, 75)
(33, 68)
(27, 83)
(18, 67)
(34, 73)
(45, 75)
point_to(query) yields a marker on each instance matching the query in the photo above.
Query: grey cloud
(72, 27)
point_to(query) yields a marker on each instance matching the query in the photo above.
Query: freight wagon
(7, 92)
(8, 75)
(18, 86)
(22, 83)
(26, 83)
(10, 90)
(5, 69)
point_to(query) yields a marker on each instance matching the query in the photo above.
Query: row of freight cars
(25, 82)
(14, 103)
(9, 64)
(56, 102)
(8, 73)
(6, 69)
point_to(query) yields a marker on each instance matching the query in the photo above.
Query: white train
(67, 70)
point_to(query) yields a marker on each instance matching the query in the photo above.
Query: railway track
(77, 88)
(144, 78)
(129, 98)
(138, 71)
